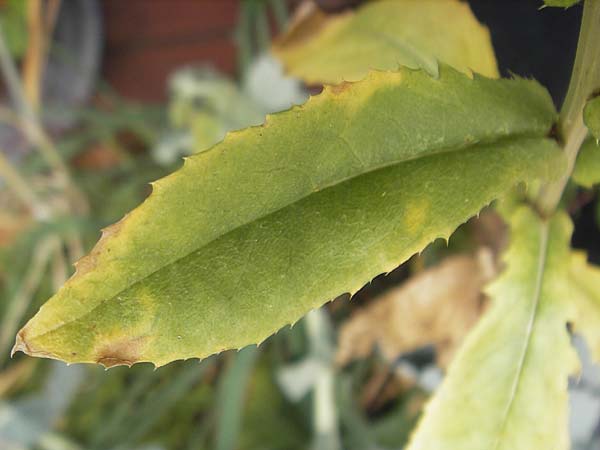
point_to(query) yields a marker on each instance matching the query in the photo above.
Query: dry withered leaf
(438, 306)
(489, 230)
(323, 48)
(305, 23)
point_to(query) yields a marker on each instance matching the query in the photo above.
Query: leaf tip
(20, 344)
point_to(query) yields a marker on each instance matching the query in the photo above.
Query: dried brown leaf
(436, 307)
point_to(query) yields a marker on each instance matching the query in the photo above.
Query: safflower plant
(413, 134)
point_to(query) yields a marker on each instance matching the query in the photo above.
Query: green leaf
(591, 116)
(383, 35)
(561, 3)
(507, 387)
(585, 280)
(231, 393)
(13, 20)
(275, 220)
(587, 167)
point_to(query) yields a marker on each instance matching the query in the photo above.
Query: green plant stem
(243, 36)
(22, 299)
(231, 395)
(59, 268)
(11, 78)
(21, 105)
(167, 396)
(585, 80)
(119, 417)
(21, 189)
(75, 246)
(280, 12)
(32, 128)
(263, 31)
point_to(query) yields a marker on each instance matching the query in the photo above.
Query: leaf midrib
(541, 266)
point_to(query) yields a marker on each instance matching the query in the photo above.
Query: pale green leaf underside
(587, 167)
(278, 219)
(507, 387)
(585, 291)
(591, 116)
(385, 34)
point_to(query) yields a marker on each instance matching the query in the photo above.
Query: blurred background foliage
(78, 147)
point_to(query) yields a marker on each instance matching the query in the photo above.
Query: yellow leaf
(585, 292)
(382, 35)
(507, 387)
(437, 306)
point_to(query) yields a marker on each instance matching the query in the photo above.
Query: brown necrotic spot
(122, 352)
(339, 88)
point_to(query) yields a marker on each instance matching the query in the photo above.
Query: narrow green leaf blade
(507, 387)
(384, 34)
(13, 20)
(250, 235)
